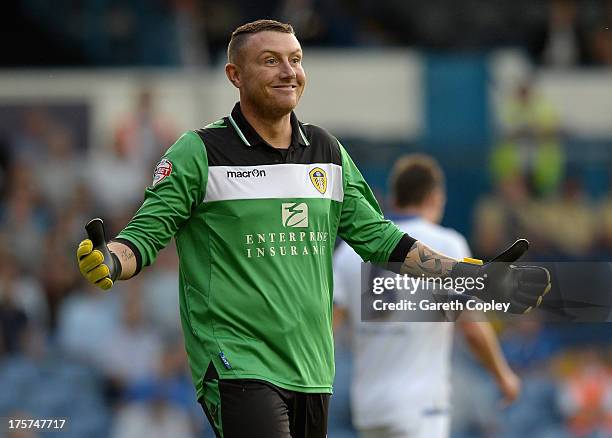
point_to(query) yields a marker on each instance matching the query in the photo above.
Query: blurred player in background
(255, 201)
(401, 378)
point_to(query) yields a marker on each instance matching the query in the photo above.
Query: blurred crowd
(191, 33)
(113, 363)
(566, 374)
(538, 192)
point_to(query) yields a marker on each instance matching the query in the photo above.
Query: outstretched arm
(522, 287)
(178, 185)
(422, 260)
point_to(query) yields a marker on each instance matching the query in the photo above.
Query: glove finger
(518, 308)
(85, 247)
(97, 274)
(535, 289)
(533, 273)
(536, 304)
(526, 297)
(527, 300)
(522, 304)
(91, 261)
(534, 281)
(513, 253)
(105, 283)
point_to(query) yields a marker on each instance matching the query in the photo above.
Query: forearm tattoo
(126, 255)
(422, 260)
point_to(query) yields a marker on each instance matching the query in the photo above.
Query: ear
(233, 74)
(440, 196)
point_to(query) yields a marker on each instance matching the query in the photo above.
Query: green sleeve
(169, 202)
(362, 224)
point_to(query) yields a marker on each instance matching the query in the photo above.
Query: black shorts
(257, 409)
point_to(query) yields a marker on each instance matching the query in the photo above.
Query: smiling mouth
(285, 87)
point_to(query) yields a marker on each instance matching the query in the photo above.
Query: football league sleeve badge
(162, 171)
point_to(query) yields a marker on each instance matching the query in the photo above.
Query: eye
(296, 60)
(270, 61)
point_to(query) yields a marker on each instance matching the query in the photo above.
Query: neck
(421, 212)
(276, 130)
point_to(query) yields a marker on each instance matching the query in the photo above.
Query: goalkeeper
(255, 201)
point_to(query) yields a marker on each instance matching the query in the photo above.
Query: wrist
(501, 374)
(467, 268)
(116, 271)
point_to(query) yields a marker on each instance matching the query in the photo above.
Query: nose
(287, 71)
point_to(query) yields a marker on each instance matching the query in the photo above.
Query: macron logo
(255, 173)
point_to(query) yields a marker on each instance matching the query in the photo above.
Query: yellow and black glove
(97, 264)
(523, 287)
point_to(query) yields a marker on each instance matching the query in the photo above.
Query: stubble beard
(271, 108)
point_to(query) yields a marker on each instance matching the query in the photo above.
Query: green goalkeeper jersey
(255, 230)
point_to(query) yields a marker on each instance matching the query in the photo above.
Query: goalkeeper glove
(523, 287)
(97, 263)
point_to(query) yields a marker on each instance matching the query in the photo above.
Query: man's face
(269, 72)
